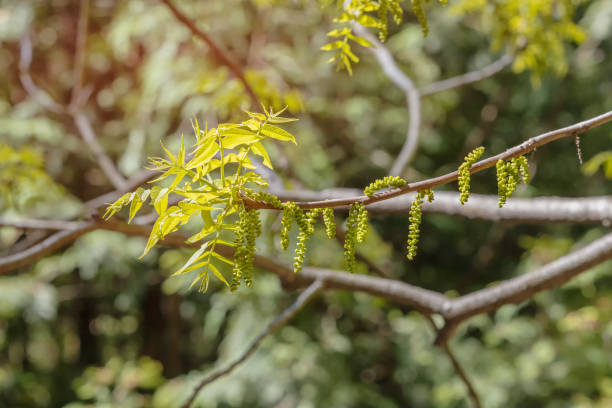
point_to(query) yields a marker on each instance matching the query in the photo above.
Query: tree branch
(87, 133)
(28, 223)
(40, 96)
(80, 120)
(462, 374)
(454, 311)
(480, 206)
(220, 54)
(280, 321)
(397, 76)
(525, 147)
(469, 77)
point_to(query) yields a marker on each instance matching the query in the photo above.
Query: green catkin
(524, 169)
(382, 19)
(306, 231)
(362, 223)
(414, 230)
(252, 232)
(502, 177)
(464, 173)
(396, 11)
(330, 223)
(289, 210)
(417, 8)
(249, 228)
(509, 175)
(350, 238)
(386, 182)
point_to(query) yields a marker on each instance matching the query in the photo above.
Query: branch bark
(596, 209)
(525, 147)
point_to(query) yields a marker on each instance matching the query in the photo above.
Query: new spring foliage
(210, 184)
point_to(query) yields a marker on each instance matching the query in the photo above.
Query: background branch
(469, 77)
(462, 374)
(480, 206)
(277, 323)
(397, 76)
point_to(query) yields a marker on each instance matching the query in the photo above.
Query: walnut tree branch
(277, 323)
(525, 147)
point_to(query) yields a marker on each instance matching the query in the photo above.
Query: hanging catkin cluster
(249, 228)
(414, 230)
(464, 173)
(305, 223)
(509, 175)
(386, 182)
(396, 11)
(330, 223)
(356, 229)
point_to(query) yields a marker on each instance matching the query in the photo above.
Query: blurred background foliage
(93, 326)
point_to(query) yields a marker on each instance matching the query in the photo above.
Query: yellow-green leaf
(260, 150)
(218, 274)
(277, 133)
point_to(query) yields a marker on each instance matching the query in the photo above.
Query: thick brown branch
(519, 150)
(277, 323)
(469, 77)
(220, 54)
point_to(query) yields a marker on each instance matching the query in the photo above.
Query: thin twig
(469, 77)
(40, 96)
(280, 321)
(223, 56)
(82, 123)
(402, 81)
(519, 150)
(86, 131)
(79, 55)
(461, 372)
